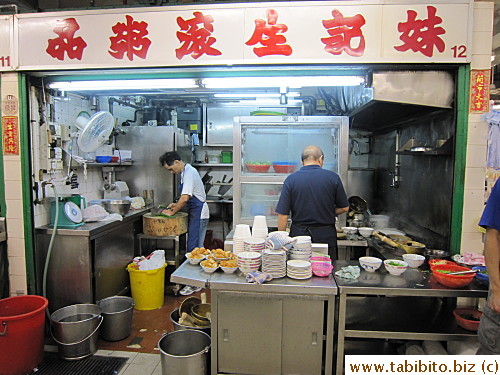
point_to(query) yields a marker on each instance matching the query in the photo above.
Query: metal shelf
(212, 164)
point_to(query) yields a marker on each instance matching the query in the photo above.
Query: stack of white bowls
(249, 261)
(259, 227)
(241, 233)
(302, 249)
(298, 269)
(274, 262)
(254, 244)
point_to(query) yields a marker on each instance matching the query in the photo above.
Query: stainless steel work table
(412, 306)
(271, 322)
(87, 262)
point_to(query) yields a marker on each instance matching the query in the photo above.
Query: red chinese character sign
(66, 42)
(242, 33)
(195, 36)
(479, 91)
(269, 35)
(130, 39)
(422, 35)
(10, 135)
(343, 32)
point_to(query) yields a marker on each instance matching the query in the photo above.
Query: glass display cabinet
(268, 148)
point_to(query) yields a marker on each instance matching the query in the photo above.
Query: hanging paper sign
(479, 91)
(10, 131)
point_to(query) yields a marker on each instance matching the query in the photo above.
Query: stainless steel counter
(194, 275)
(412, 306)
(413, 282)
(95, 228)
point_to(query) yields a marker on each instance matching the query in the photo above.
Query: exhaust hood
(399, 96)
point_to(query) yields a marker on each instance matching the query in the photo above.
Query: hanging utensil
(462, 272)
(223, 189)
(206, 178)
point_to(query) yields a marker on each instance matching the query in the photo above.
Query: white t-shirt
(193, 186)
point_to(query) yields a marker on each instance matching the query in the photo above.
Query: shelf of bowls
(275, 253)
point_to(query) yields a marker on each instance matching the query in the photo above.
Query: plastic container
(483, 278)
(284, 166)
(117, 313)
(321, 269)
(76, 330)
(462, 321)
(257, 168)
(226, 156)
(185, 352)
(452, 281)
(103, 159)
(22, 328)
(147, 287)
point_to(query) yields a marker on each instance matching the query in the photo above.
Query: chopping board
(161, 226)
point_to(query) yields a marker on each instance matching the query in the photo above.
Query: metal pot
(174, 318)
(117, 206)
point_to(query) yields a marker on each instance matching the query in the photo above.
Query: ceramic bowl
(229, 269)
(209, 269)
(370, 264)
(395, 267)
(365, 231)
(414, 260)
(350, 230)
(194, 260)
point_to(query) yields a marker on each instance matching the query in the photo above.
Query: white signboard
(7, 55)
(258, 33)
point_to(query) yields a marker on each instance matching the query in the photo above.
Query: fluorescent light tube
(255, 95)
(131, 84)
(291, 82)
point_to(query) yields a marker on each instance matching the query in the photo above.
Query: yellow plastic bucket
(148, 287)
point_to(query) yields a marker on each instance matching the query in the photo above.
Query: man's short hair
(169, 158)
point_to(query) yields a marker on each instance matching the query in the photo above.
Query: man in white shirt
(193, 197)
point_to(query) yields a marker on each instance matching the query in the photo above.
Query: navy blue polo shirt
(311, 194)
(491, 213)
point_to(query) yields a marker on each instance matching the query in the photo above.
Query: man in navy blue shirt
(489, 327)
(315, 197)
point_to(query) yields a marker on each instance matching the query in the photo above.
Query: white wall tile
(481, 42)
(18, 285)
(14, 209)
(472, 242)
(475, 178)
(15, 247)
(17, 266)
(12, 170)
(473, 199)
(476, 156)
(477, 133)
(470, 220)
(481, 61)
(13, 190)
(483, 16)
(15, 228)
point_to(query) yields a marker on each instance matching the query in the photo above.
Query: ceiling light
(254, 95)
(131, 84)
(292, 82)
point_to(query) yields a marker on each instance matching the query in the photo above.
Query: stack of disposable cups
(241, 233)
(259, 228)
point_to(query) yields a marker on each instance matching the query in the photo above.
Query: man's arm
(176, 207)
(340, 211)
(492, 255)
(282, 221)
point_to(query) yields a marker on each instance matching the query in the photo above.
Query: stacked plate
(302, 249)
(298, 269)
(259, 228)
(254, 244)
(241, 233)
(249, 261)
(274, 262)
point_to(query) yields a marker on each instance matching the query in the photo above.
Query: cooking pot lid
(357, 204)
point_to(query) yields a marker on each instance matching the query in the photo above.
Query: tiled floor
(141, 346)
